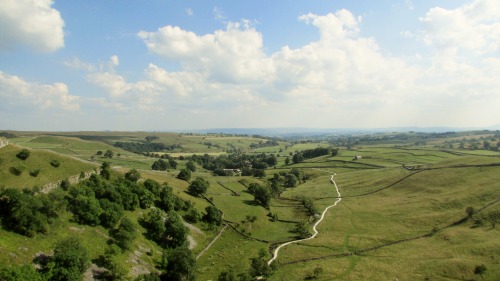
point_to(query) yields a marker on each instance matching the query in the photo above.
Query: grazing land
(414, 206)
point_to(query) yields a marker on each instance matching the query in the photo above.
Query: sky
(179, 65)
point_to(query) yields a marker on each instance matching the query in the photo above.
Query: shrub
(55, 163)
(34, 173)
(23, 155)
(16, 171)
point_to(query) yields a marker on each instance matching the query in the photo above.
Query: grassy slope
(39, 159)
(376, 210)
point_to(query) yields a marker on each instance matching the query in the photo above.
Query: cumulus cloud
(32, 23)
(17, 92)
(77, 63)
(473, 27)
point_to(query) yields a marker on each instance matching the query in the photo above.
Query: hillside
(408, 211)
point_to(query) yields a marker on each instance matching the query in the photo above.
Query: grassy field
(402, 215)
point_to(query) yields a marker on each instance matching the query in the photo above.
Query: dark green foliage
(166, 199)
(133, 175)
(153, 186)
(470, 211)
(213, 215)
(124, 234)
(184, 174)
(16, 171)
(70, 260)
(140, 147)
(55, 163)
(262, 196)
(192, 215)
(259, 173)
(198, 187)
(154, 224)
(291, 180)
(20, 273)
(175, 231)
(227, 276)
(151, 138)
(191, 166)
(258, 266)
(8, 135)
(106, 170)
(308, 203)
(111, 213)
(172, 163)
(287, 161)
(110, 260)
(65, 184)
(302, 231)
(297, 158)
(480, 269)
(179, 264)
(108, 154)
(86, 210)
(160, 165)
(24, 213)
(23, 155)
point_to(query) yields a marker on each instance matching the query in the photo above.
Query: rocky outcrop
(3, 142)
(72, 180)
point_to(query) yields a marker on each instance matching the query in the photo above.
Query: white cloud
(189, 11)
(32, 23)
(76, 63)
(18, 93)
(114, 61)
(472, 27)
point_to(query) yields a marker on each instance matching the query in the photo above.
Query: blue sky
(170, 65)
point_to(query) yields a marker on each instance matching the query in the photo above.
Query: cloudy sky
(170, 65)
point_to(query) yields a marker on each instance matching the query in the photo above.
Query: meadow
(405, 209)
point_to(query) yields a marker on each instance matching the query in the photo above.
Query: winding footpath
(276, 251)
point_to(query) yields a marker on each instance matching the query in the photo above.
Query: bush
(55, 163)
(184, 174)
(23, 155)
(34, 173)
(198, 187)
(71, 260)
(125, 234)
(16, 171)
(192, 216)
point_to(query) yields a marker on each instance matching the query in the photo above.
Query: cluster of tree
(250, 165)
(8, 135)
(151, 138)
(141, 147)
(258, 269)
(210, 144)
(107, 154)
(261, 143)
(198, 187)
(27, 214)
(308, 203)
(312, 153)
(162, 165)
(167, 230)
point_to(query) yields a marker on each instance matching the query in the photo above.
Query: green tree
(110, 213)
(192, 215)
(297, 158)
(212, 215)
(160, 165)
(133, 175)
(262, 196)
(302, 230)
(191, 166)
(86, 210)
(154, 225)
(109, 154)
(184, 174)
(172, 163)
(175, 231)
(198, 187)
(259, 266)
(166, 199)
(106, 170)
(180, 265)
(287, 161)
(125, 234)
(227, 276)
(291, 180)
(70, 260)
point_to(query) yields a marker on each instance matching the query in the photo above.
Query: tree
(297, 158)
(109, 154)
(259, 266)
(160, 165)
(133, 175)
(166, 200)
(172, 163)
(192, 215)
(154, 225)
(106, 170)
(184, 174)
(302, 231)
(191, 166)
(287, 161)
(125, 234)
(86, 210)
(198, 187)
(213, 215)
(175, 231)
(111, 213)
(262, 196)
(180, 265)
(291, 180)
(23, 155)
(260, 173)
(227, 276)
(70, 260)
